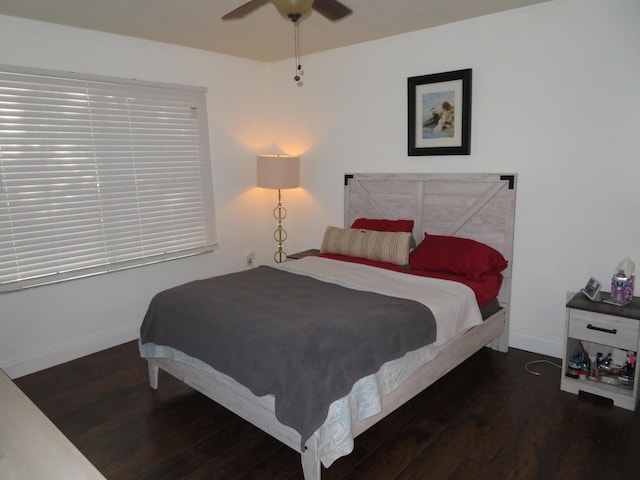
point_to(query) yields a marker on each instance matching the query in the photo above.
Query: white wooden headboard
(480, 206)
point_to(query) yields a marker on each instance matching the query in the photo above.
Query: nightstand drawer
(604, 329)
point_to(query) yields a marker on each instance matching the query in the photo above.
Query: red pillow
(460, 256)
(383, 225)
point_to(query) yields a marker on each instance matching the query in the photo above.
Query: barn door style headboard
(480, 206)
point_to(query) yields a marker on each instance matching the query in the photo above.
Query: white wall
(555, 99)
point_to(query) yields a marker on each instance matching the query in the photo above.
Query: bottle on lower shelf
(602, 369)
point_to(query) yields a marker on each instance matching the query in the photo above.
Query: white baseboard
(69, 351)
(543, 346)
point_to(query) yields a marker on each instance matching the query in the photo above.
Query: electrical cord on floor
(526, 365)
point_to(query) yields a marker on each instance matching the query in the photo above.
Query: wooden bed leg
(153, 375)
(311, 460)
(501, 342)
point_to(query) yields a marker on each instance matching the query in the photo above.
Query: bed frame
(477, 206)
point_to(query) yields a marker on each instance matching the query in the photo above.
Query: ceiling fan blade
(244, 10)
(331, 9)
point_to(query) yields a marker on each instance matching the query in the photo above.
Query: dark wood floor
(488, 419)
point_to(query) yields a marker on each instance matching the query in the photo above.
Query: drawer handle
(605, 330)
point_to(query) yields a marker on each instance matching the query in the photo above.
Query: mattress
(455, 309)
(304, 340)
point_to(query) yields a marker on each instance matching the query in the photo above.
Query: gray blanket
(301, 339)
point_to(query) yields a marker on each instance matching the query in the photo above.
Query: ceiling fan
(294, 10)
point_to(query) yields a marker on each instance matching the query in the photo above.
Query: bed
(478, 208)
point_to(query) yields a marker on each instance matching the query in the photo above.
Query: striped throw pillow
(390, 247)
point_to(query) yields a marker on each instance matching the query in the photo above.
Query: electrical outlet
(251, 258)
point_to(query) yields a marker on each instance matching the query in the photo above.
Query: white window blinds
(99, 174)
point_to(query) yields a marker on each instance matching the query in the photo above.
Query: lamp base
(280, 234)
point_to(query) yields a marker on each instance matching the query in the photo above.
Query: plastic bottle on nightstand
(618, 285)
(622, 282)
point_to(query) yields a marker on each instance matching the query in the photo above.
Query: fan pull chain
(298, 53)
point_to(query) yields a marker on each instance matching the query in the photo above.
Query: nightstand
(607, 330)
(306, 253)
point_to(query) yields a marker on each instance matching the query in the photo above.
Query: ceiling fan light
(289, 7)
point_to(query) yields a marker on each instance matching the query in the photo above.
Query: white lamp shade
(278, 171)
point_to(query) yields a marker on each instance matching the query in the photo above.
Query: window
(99, 174)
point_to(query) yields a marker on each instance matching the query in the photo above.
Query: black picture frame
(439, 107)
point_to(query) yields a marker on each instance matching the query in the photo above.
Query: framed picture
(440, 113)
